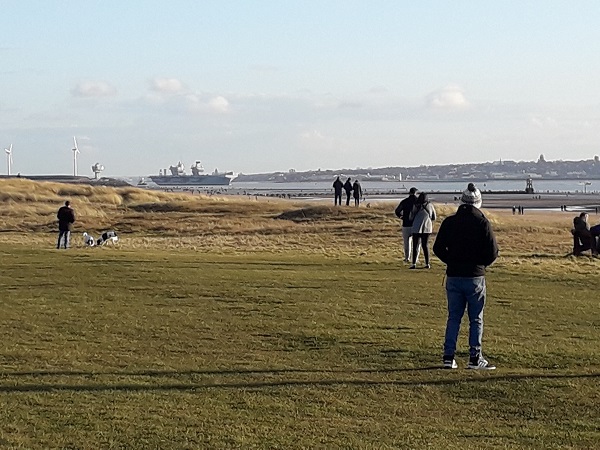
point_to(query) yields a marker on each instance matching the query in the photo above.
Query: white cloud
(167, 85)
(203, 103)
(449, 97)
(93, 89)
(219, 104)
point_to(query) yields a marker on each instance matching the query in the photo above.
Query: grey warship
(176, 176)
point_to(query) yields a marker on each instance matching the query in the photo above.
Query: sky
(271, 85)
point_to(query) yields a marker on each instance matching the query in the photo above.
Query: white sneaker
(481, 364)
(412, 266)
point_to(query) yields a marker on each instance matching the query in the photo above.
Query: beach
(578, 201)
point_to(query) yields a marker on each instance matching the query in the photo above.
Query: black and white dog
(108, 236)
(89, 240)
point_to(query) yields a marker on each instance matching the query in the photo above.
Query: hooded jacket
(423, 216)
(466, 243)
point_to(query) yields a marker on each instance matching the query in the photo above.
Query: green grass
(142, 348)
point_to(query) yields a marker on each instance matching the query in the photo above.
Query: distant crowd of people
(352, 190)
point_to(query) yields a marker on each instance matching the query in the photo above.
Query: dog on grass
(88, 240)
(108, 236)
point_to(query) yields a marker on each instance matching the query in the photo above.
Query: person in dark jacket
(403, 211)
(583, 239)
(595, 230)
(466, 244)
(66, 218)
(357, 192)
(337, 189)
(348, 189)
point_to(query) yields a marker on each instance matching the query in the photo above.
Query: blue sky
(261, 86)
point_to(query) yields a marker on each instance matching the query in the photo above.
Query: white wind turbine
(75, 152)
(9, 158)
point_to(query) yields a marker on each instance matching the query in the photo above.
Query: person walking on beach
(337, 189)
(423, 215)
(357, 192)
(65, 217)
(466, 244)
(403, 211)
(348, 189)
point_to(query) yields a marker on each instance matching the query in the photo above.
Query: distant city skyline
(269, 86)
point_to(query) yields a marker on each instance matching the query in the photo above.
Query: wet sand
(493, 200)
(577, 202)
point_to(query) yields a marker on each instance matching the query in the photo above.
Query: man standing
(357, 192)
(337, 189)
(66, 217)
(466, 244)
(348, 189)
(403, 211)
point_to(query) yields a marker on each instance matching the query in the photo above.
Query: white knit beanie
(471, 196)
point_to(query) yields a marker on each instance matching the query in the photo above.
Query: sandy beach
(578, 202)
(491, 200)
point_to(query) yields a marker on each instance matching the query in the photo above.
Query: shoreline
(491, 199)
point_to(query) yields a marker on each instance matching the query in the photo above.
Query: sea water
(401, 187)
(391, 187)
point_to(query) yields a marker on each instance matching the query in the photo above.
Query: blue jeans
(469, 293)
(64, 235)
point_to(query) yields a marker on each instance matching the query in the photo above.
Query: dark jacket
(404, 209)
(581, 226)
(466, 243)
(348, 187)
(357, 190)
(65, 217)
(338, 185)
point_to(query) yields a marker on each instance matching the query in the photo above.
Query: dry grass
(154, 219)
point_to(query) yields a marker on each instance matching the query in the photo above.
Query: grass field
(278, 325)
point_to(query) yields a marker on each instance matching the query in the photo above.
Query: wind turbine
(9, 158)
(75, 152)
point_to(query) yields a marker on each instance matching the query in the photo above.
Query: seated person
(595, 230)
(582, 236)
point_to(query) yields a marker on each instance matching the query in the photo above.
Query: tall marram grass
(231, 222)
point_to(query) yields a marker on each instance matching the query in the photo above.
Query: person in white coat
(423, 216)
